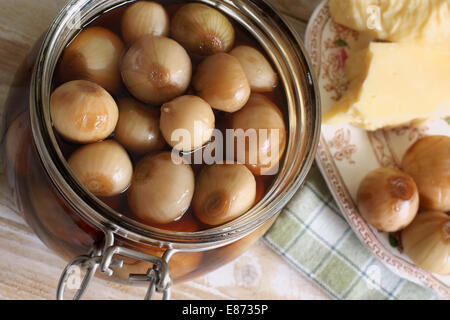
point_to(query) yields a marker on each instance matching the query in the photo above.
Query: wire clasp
(158, 276)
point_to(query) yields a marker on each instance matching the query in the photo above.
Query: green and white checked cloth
(315, 238)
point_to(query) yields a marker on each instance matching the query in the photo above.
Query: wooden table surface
(28, 270)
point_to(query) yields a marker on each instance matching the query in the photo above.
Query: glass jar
(74, 223)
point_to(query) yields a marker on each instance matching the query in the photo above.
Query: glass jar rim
(286, 51)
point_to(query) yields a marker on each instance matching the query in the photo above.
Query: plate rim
(341, 195)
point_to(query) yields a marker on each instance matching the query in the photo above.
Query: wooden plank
(28, 270)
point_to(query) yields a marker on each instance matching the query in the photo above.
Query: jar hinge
(158, 276)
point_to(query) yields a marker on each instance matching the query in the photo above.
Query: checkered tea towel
(315, 238)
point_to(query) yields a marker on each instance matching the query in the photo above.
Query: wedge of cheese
(393, 84)
(426, 21)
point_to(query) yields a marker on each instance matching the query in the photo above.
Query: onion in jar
(138, 127)
(94, 55)
(262, 122)
(187, 122)
(144, 18)
(202, 29)
(156, 69)
(83, 112)
(258, 70)
(223, 192)
(162, 189)
(104, 168)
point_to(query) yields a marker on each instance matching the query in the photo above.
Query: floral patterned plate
(346, 154)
